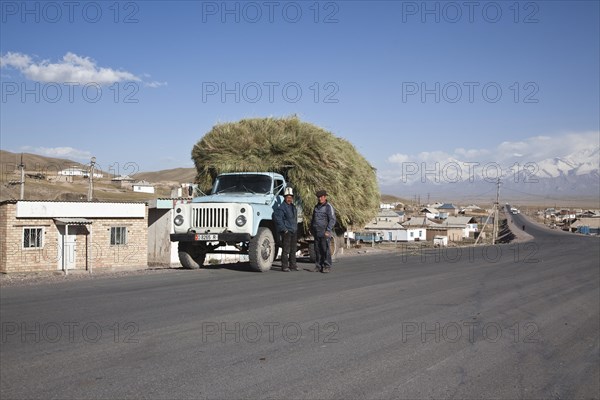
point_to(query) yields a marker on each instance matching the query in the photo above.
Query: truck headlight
(178, 220)
(240, 221)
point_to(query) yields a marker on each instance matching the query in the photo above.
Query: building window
(412, 234)
(32, 237)
(118, 235)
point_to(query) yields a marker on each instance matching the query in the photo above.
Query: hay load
(311, 158)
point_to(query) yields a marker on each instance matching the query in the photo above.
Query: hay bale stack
(310, 157)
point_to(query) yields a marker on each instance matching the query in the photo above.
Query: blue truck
(237, 213)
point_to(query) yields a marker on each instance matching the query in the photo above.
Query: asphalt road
(511, 321)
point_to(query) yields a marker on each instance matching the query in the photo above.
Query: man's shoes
(294, 268)
(326, 270)
(286, 269)
(317, 269)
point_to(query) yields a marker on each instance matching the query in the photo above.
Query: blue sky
(421, 81)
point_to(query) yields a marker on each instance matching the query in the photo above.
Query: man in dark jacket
(323, 221)
(286, 220)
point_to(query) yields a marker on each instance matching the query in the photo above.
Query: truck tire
(261, 251)
(334, 245)
(312, 256)
(191, 256)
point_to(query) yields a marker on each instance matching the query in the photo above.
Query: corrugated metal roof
(72, 221)
(447, 206)
(68, 201)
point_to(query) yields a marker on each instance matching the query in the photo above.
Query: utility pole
(496, 209)
(22, 168)
(91, 179)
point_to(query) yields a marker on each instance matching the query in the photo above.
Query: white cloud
(399, 158)
(71, 69)
(59, 152)
(15, 60)
(155, 84)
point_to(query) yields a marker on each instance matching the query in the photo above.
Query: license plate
(212, 236)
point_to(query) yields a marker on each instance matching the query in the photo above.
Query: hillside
(180, 175)
(34, 162)
(37, 166)
(77, 190)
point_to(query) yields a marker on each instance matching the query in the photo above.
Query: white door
(66, 247)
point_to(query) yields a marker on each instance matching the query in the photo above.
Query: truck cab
(238, 212)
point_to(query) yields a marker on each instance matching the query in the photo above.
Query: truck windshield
(243, 184)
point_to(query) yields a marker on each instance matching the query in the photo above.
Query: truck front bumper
(228, 237)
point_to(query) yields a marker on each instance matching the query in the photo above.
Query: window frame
(39, 238)
(122, 236)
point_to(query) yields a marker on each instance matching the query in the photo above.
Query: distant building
(185, 190)
(587, 226)
(467, 224)
(391, 206)
(449, 208)
(79, 171)
(430, 213)
(143, 187)
(123, 181)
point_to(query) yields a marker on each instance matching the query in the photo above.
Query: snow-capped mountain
(581, 163)
(575, 175)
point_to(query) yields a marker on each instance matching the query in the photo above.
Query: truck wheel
(262, 250)
(333, 249)
(190, 256)
(312, 255)
(334, 246)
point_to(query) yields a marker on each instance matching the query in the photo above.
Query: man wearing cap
(323, 221)
(286, 220)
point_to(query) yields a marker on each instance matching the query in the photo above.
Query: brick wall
(92, 244)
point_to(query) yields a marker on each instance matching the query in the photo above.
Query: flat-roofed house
(72, 235)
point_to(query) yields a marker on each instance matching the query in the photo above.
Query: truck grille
(214, 217)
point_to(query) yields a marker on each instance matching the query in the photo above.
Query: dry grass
(310, 157)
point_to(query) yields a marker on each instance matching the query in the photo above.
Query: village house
(50, 236)
(78, 171)
(430, 212)
(455, 230)
(143, 187)
(386, 215)
(184, 190)
(123, 181)
(453, 233)
(392, 231)
(448, 208)
(388, 224)
(401, 216)
(472, 209)
(586, 226)
(419, 222)
(467, 224)
(391, 206)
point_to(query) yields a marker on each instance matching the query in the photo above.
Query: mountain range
(574, 177)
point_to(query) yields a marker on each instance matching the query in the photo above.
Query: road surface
(510, 321)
